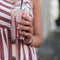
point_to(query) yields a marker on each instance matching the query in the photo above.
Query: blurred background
(50, 49)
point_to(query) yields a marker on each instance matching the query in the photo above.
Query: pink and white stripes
(8, 50)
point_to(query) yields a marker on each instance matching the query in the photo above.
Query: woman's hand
(26, 28)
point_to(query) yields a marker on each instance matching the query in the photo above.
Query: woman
(22, 50)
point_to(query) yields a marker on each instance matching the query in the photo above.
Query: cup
(16, 18)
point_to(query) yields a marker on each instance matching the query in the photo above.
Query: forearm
(37, 41)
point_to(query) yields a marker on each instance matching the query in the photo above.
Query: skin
(33, 26)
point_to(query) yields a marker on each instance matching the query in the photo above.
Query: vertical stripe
(10, 50)
(17, 58)
(19, 46)
(21, 53)
(7, 39)
(9, 44)
(30, 53)
(26, 52)
(1, 47)
(4, 46)
(35, 55)
(4, 36)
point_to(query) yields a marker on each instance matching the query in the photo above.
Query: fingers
(26, 17)
(25, 23)
(26, 28)
(26, 20)
(24, 33)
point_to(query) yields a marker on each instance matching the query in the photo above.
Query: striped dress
(10, 51)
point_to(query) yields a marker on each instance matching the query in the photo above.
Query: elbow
(39, 43)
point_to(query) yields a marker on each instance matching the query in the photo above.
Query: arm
(34, 29)
(37, 36)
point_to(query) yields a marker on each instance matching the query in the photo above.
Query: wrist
(31, 42)
(28, 41)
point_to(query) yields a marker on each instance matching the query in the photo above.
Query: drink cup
(16, 18)
(16, 13)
